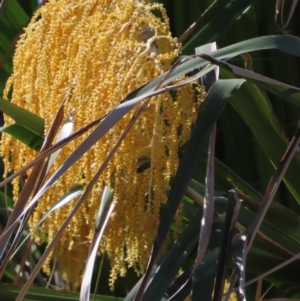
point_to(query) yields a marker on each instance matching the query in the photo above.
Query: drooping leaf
(173, 260)
(23, 117)
(204, 277)
(225, 246)
(105, 211)
(208, 115)
(285, 44)
(23, 134)
(214, 29)
(65, 199)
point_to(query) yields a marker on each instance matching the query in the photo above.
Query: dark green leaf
(209, 113)
(24, 135)
(23, 117)
(219, 25)
(204, 277)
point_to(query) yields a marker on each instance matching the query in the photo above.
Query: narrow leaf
(228, 233)
(280, 89)
(65, 199)
(65, 132)
(204, 277)
(239, 252)
(23, 117)
(23, 134)
(209, 112)
(219, 25)
(173, 260)
(287, 44)
(105, 210)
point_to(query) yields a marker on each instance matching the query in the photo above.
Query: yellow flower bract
(108, 48)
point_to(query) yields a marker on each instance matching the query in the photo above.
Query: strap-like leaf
(105, 210)
(23, 117)
(215, 28)
(208, 115)
(23, 134)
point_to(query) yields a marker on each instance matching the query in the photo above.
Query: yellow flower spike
(110, 47)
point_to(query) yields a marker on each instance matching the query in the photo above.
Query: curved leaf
(209, 112)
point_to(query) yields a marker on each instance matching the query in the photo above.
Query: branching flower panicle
(110, 48)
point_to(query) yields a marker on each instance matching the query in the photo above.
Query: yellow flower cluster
(109, 48)
(233, 296)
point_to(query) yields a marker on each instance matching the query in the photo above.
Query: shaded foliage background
(235, 140)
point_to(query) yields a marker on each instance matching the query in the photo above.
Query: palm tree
(241, 151)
